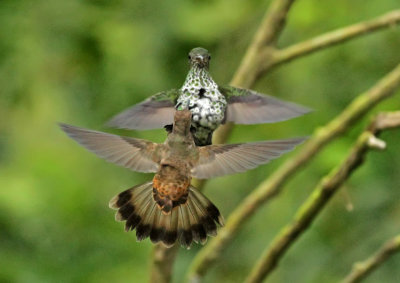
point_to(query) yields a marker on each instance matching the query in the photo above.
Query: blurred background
(81, 62)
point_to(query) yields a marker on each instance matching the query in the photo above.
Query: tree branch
(319, 198)
(363, 269)
(162, 263)
(334, 37)
(273, 184)
(263, 43)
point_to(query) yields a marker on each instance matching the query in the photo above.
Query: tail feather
(143, 229)
(191, 221)
(136, 215)
(184, 231)
(126, 196)
(159, 227)
(206, 221)
(198, 230)
(132, 222)
(171, 233)
(208, 212)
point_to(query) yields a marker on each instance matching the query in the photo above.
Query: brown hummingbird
(168, 208)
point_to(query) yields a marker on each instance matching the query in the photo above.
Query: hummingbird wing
(219, 160)
(153, 113)
(135, 154)
(249, 107)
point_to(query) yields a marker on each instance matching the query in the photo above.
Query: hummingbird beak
(200, 60)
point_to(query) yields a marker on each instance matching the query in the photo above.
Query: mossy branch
(273, 184)
(326, 188)
(363, 269)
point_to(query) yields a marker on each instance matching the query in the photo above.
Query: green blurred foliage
(81, 62)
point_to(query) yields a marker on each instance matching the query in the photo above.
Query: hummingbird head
(182, 122)
(199, 57)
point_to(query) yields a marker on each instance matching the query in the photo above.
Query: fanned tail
(191, 221)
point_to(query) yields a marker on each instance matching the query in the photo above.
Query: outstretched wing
(153, 113)
(249, 107)
(135, 154)
(219, 160)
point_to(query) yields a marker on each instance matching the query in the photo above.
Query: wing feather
(249, 107)
(219, 160)
(153, 113)
(135, 154)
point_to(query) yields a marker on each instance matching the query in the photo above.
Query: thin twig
(363, 269)
(335, 37)
(273, 184)
(323, 192)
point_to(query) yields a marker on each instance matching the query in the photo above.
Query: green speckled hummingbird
(210, 104)
(168, 209)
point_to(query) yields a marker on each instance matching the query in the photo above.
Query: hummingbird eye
(189, 57)
(209, 57)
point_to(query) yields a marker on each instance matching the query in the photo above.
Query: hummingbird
(168, 209)
(210, 104)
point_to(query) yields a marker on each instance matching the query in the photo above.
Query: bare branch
(310, 209)
(162, 264)
(385, 121)
(273, 184)
(363, 269)
(273, 23)
(263, 42)
(334, 37)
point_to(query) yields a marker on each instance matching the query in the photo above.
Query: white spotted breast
(201, 96)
